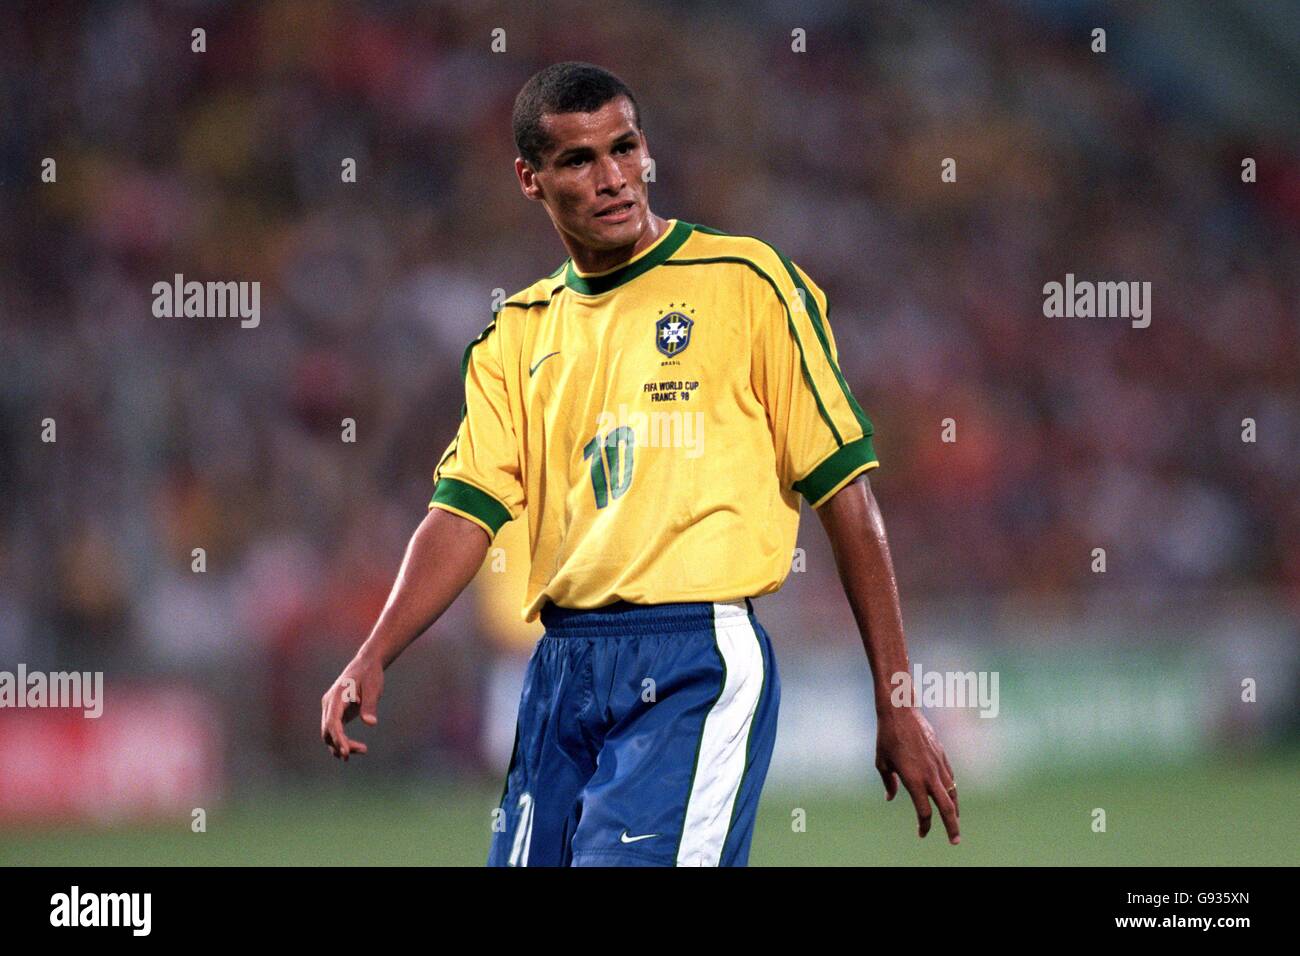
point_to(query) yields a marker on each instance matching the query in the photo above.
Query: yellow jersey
(658, 423)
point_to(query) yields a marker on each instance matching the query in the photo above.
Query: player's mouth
(617, 212)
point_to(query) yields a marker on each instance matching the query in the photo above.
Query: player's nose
(610, 176)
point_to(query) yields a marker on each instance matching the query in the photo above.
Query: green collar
(664, 247)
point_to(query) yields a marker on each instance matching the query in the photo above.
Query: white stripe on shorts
(724, 741)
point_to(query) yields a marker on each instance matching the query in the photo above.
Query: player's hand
(907, 748)
(356, 691)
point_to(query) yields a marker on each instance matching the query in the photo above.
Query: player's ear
(527, 176)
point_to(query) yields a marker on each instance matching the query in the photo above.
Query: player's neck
(602, 260)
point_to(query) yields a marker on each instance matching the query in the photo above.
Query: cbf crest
(673, 333)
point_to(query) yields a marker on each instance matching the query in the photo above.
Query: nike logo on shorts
(624, 838)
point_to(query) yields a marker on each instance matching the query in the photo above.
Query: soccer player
(656, 408)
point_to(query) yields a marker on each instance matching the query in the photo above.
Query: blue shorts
(644, 735)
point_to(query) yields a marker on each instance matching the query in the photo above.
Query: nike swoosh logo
(539, 362)
(624, 838)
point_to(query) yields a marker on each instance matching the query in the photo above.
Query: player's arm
(906, 746)
(824, 447)
(477, 489)
(443, 555)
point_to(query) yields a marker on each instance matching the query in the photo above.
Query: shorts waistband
(622, 617)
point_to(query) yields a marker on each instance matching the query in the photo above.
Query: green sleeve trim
(465, 497)
(832, 472)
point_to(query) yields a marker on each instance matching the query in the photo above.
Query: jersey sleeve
(823, 439)
(479, 475)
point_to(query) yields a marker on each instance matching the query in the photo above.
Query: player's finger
(332, 705)
(891, 781)
(943, 756)
(921, 800)
(328, 737)
(331, 725)
(325, 712)
(370, 703)
(948, 780)
(345, 744)
(337, 739)
(947, 812)
(332, 742)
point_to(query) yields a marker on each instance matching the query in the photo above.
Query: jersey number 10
(610, 456)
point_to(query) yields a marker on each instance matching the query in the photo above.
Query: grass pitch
(1223, 813)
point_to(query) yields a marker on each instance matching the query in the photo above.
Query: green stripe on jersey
(794, 333)
(464, 361)
(819, 327)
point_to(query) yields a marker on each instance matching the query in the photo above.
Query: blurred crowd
(176, 434)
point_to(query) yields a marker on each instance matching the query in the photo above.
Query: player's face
(591, 179)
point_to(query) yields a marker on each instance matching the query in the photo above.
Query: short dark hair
(570, 87)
